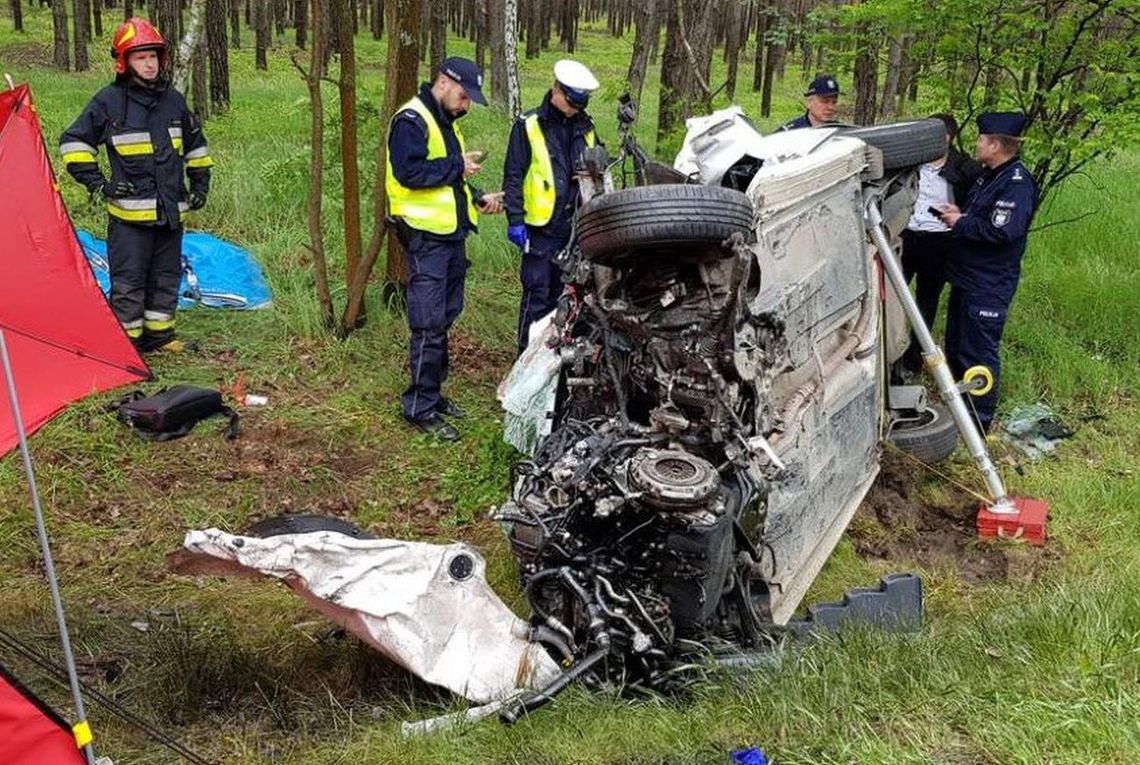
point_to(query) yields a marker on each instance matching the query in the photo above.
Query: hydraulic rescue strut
(1004, 516)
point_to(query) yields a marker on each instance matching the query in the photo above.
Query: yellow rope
(937, 472)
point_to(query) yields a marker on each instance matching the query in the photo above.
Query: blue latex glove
(517, 235)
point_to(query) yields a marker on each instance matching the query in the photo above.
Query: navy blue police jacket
(993, 230)
(565, 141)
(801, 121)
(407, 148)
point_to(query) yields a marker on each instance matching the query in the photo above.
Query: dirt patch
(470, 356)
(26, 54)
(894, 523)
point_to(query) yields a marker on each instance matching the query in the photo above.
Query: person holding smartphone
(926, 241)
(541, 190)
(433, 208)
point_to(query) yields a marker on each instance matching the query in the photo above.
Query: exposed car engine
(632, 523)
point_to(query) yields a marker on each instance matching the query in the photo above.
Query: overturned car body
(721, 394)
(706, 411)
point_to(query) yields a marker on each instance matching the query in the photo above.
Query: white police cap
(575, 75)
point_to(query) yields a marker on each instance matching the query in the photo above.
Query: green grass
(1040, 666)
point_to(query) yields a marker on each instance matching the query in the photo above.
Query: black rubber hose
(535, 700)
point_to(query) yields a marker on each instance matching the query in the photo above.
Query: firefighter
(434, 208)
(152, 140)
(541, 191)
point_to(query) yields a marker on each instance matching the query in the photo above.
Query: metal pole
(80, 728)
(936, 363)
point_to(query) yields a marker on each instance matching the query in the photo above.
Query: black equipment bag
(173, 412)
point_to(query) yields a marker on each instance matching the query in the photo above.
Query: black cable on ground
(58, 674)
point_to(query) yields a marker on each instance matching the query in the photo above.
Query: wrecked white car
(722, 393)
(703, 415)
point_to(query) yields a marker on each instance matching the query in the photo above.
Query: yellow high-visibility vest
(432, 210)
(539, 194)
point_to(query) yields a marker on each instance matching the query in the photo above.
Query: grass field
(1037, 661)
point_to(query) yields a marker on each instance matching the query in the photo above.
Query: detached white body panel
(426, 607)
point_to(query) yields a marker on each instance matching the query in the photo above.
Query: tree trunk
(316, 169)
(377, 25)
(279, 17)
(648, 25)
(61, 52)
(511, 50)
(866, 79)
(235, 22)
(301, 24)
(17, 15)
(438, 32)
(733, 21)
(350, 167)
(888, 106)
(82, 13)
(481, 32)
(261, 29)
(773, 56)
(97, 15)
(128, 9)
(166, 13)
(534, 24)
(188, 47)
(685, 63)
(402, 68)
(762, 19)
(199, 91)
(219, 54)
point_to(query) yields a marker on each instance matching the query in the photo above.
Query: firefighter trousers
(146, 269)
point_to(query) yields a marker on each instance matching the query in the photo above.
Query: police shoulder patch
(1000, 216)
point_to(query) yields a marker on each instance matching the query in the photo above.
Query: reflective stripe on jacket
(430, 209)
(539, 192)
(153, 141)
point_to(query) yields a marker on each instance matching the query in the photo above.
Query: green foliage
(1070, 65)
(1041, 668)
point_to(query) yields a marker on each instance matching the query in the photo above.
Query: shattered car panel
(426, 607)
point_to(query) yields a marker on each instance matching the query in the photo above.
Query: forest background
(1027, 656)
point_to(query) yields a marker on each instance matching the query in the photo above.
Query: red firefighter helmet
(132, 35)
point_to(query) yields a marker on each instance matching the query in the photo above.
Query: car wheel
(651, 216)
(904, 144)
(303, 524)
(931, 437)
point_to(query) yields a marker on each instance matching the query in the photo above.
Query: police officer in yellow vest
(541, 192)
(434, 208)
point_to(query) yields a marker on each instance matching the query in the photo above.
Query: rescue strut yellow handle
(978, 381)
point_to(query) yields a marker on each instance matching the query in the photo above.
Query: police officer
(990, 233)
(434, 208)
(927, 242)
(151, 138)
(822, 102)
(541, 191)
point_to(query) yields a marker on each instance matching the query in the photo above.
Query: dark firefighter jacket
(151, 139)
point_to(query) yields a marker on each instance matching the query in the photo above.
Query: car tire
(931, 438)
(670, 214)
(303, 524)
(904, 144)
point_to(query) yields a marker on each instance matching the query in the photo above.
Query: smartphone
(934, 211)
(477, 156)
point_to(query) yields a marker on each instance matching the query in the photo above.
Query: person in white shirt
(926, 242)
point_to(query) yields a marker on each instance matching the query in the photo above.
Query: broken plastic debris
(1035, 430)
(252, 399)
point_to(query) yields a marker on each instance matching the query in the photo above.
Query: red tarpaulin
(30, 732)
(63, 340)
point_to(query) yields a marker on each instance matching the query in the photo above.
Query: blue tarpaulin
(215, 273)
